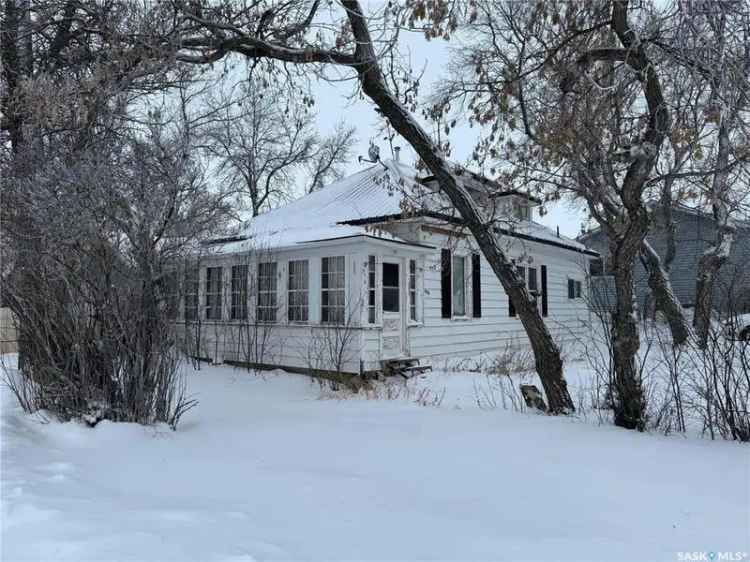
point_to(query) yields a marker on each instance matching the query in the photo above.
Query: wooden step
(410, 372)
(407, 367)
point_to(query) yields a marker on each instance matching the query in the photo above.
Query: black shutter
(544, 291)
(476, 287)
(571, 289)
(445, 282)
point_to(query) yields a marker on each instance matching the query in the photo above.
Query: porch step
(407, 367)
(410, 372)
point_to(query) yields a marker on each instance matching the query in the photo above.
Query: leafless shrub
(92, 232)
(499, 392)
(385, 390)
(332, 346)
(513, 359)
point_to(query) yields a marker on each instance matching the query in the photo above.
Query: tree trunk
(715, 256)
(629, 405)
(665, 299)
(546, 352)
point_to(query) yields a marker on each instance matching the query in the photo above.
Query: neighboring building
(374, 268)
(695, 232)
(8, 335)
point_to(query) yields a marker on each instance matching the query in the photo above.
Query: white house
(372, 268)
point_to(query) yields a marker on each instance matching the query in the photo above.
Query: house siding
(438, 338)
(431, 338)
(694, 234)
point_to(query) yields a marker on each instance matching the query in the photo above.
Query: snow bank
(264, 469)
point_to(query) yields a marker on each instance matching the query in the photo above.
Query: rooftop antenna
(558, 231)
(373, 152)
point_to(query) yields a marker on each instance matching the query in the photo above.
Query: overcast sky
(333, 106)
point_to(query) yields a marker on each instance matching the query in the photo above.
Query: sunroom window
(213, 293)
(298, 290)
(267, 302)
(238, 310)
(332, 290)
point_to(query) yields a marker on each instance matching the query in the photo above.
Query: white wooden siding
(439, 338)
(432, 337)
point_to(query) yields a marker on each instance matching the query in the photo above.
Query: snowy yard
(267, 469)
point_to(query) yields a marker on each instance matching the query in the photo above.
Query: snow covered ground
(270, 468)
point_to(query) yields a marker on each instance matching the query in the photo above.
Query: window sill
(460, 318)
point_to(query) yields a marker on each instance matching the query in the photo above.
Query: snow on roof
(381, 190)
(375, 191)
(541, 232)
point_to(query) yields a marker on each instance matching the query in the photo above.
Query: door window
(390, 287)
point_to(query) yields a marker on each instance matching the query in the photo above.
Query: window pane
(390, 299)
(332, 296)
(521, 271)
(390, 275)
(267, 280)
(297, 293)
(213, 293)
(459, 287)
(412, 290)
(532, 279)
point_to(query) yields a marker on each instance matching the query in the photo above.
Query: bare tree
(264, 138)
(574, 103)
(97, 204)
(296, 35)
(716, 48)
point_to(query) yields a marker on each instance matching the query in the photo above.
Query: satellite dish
(374, 152)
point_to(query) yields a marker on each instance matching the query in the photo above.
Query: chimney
(397, 153)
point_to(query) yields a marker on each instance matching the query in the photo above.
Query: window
(574, 289)
(238, 310)
(476, 286)
(171, 294)
(299, 276)
(533, 285)
(413, 290)
(596, 267)
(371, 289)
(390, 287)
(192, 285)
(459, 287)
(213, 293)
(266, 309)
(521, 272)
(332, 290)
(521, 211)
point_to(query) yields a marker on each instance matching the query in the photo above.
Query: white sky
(333, 105)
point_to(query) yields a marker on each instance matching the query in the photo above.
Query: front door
(393, 340)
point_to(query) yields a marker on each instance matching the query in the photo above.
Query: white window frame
(327, 289)
(214, 293)
(192, 293)
(577, 288)
(271, 291)
(411, 288)
(298, 290)
(238, 295)
(461, 257)
(372, 289)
